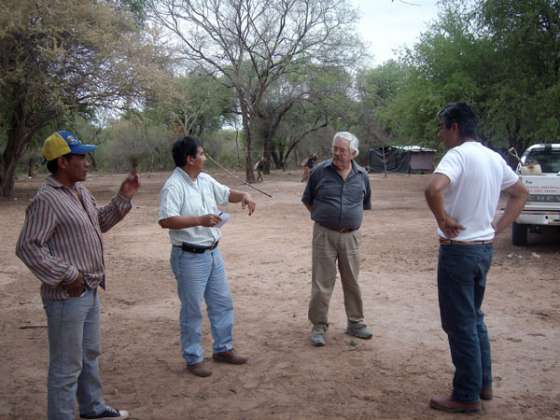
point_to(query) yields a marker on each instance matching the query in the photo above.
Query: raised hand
(130, 185)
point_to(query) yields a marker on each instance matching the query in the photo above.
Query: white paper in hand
(224, 216)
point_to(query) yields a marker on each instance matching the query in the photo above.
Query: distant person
(463, 195)
(189, 203)
(336, 194)
(61, 244)
(259, 167)
(307, 166)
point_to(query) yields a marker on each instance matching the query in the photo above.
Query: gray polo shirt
(335, 203)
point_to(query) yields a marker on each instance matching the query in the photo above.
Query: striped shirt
(61, 236)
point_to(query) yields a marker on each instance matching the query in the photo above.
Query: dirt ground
(268, 260)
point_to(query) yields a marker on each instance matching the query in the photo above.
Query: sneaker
(318, 335)
(109, 414)
(358, 329)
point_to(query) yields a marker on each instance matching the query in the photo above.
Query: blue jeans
(202, 277)
(73, 327)
(462, 271)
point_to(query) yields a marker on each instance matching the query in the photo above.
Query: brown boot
(229, 357)
(486, 393)
(448, 404)
(198, 369)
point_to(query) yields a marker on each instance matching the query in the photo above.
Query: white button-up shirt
(183, 196)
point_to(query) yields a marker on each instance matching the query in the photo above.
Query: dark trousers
(462, 271)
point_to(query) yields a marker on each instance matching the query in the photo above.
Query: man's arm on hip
(517, 197)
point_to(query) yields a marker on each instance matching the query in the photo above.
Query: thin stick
(235, 176)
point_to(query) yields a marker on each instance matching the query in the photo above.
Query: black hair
(463, 115)
(186, 146)
(52, 165)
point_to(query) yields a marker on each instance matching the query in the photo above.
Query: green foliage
(446, 65)
(525, 34)
(193, 104)
(130, 139)
(321, 95)
(289, 78)
(137, 8)
(376, 89)
(64, 58)
(502, 56)
(221, 145)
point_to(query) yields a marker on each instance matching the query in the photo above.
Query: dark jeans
(462, 273)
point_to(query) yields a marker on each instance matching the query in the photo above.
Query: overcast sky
(387, 25)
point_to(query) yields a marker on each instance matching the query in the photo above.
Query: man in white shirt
(189, 203)
(463, 195)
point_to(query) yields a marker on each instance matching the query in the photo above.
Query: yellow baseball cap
(63, 142)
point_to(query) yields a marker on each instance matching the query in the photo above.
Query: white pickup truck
(539, 168)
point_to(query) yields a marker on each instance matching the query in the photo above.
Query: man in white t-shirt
(463, 195)
(189, 203)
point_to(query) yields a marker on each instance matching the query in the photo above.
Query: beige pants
(330, 248)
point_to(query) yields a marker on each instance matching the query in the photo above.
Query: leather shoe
(229, 357)
(448, 404)
(198, 369)
(486, 393)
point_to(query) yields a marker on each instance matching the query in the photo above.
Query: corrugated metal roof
(414, 148)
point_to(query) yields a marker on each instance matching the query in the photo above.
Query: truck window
(549, 160)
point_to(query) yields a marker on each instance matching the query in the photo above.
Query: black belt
(196, 249)
(343, 230)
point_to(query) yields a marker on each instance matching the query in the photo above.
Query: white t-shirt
(477, 175)
(183, 196)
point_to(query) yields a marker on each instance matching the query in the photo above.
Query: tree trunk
(30, 167)
(263, 130)
(18, 139)
(282, 157)
(513, 137)
(267, 153)
(7, 177)
(249, 174)
(275, 158)
(237, 146)
(270, 126)
(293, 142)
(93, 161)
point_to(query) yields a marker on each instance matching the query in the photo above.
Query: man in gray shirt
(336, 194)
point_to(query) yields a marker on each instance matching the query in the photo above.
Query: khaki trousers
(330, 248)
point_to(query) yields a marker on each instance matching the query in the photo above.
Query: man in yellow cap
(61, 243)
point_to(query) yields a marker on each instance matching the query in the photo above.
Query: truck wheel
(519, 234)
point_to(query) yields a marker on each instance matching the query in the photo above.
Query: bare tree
(252, 43)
